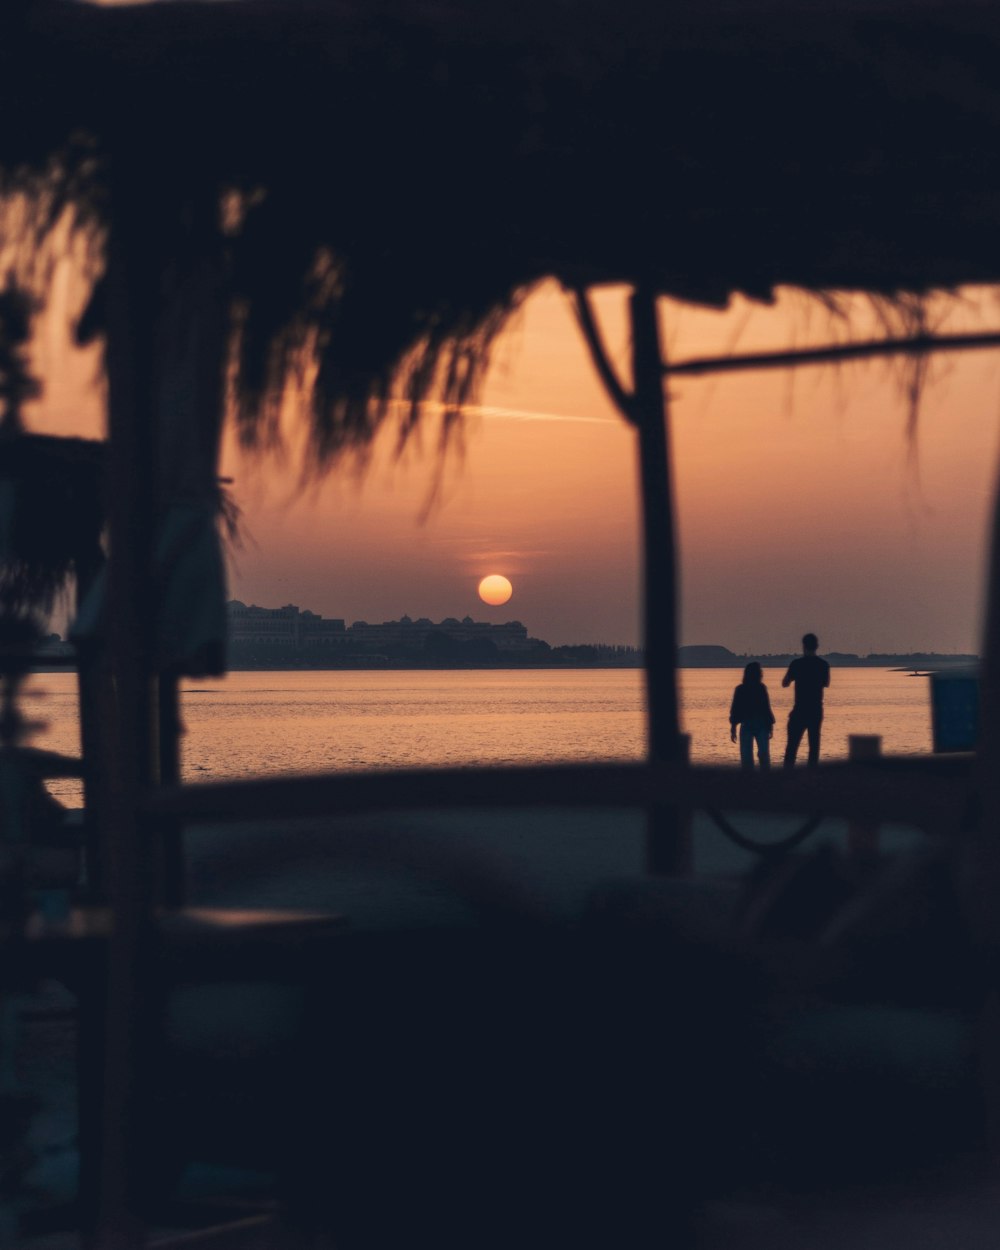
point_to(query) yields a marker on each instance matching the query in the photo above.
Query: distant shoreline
(722, 657)
(577, 657)
(916, 660)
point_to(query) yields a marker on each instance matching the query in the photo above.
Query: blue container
(955, 709)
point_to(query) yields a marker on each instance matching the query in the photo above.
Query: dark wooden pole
(666, 848)
(645, 407)
(981, 877)
(171, 831)
(109, 1181)
(658, 529)
(93, 695)
(989, 731)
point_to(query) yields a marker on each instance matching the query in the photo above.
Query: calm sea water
(291, 722)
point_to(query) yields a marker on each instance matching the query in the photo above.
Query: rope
(763, 848)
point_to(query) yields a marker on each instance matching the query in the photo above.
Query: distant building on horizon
(288, 626)
(410, 635)
(292, 627)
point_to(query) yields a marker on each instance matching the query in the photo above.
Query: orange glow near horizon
(802, 502)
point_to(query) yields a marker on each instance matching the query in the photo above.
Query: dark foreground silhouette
(517, 1082)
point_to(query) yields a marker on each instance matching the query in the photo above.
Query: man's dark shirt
(811, 676)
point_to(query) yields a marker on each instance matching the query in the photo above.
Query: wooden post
(645, 407)
(988, 750)
(664, 850)
(192, 342)
(683, 857)
(658, 527)
(171, 830)
(110, 1215)
(862, 835)
(92, 688)
(979, 875)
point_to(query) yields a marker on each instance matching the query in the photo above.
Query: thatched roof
(51, 515)
(410, 169)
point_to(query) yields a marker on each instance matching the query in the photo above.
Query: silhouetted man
(811, 676)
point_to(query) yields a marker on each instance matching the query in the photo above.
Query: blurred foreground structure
(270, 191)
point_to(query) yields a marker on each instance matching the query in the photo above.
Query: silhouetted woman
(751, 710)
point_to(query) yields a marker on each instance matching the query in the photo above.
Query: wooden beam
(934, 792)
(915, 345)
(618, 394)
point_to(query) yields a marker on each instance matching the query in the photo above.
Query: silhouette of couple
(751, 708)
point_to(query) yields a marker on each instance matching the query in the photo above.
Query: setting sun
(495, 590)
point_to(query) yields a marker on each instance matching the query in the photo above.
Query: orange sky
(801, 503)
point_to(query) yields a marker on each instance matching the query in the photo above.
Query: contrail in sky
(519, 414)
(513, 414)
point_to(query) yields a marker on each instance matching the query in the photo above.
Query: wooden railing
(935, 793)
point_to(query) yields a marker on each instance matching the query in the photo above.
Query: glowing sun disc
(495, 589)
